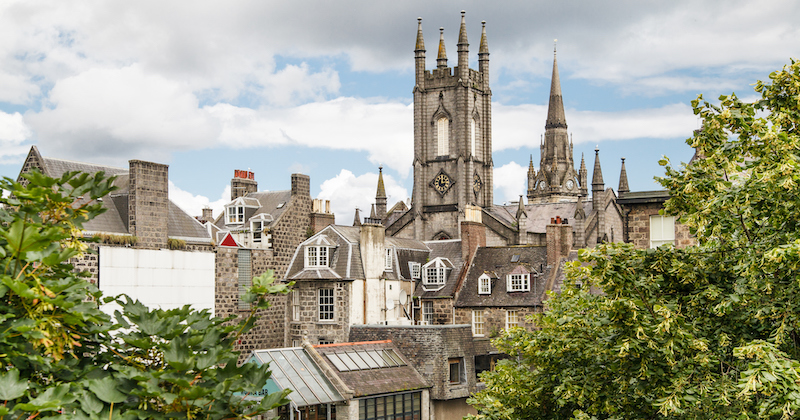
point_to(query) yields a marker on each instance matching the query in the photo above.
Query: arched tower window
(443, 136)
(472, 134)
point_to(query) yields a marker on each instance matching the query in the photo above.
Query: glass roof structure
(365, 359)
(292, 368)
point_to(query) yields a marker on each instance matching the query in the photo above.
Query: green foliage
(60, 356)
(708, 332)
(176, 244)
(107, 238)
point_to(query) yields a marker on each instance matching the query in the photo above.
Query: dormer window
(519, 282)
(434, 274)
(316, 256)
(318, 252)
(414, 268)
(236, 211)
(259, 228)
(235, 215)
(484, 285)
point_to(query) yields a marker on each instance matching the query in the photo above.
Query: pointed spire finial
(462, 32)
(555, 44)
(381, 189)
(441, 59)
(597, 172)
(484, 48)
(357, 218)
(521, 209)
(623, 180)
(420, 41)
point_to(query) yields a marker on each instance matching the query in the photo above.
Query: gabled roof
(345, 255)
(499, 262)
(451, 250)
(372, 367)
(115, 219)
(539, 215)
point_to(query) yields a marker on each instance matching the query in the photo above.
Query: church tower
(452, 137)
(557, 179)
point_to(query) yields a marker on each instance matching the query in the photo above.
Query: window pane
(348, 361)
(337, 362)
(359, 361)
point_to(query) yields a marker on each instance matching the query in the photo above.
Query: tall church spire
(441, 59)
(623, 180)
(557, 179)
(555, 109)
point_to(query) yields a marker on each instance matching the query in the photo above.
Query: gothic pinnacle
(441, 59)
(381, 189)
(462, 32)
(420, 42)
(623, 180)
(484, 48)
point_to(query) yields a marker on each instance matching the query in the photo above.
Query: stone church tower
(452, 138)
(557, 179)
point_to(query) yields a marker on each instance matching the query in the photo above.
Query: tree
(708, 332)
(60, 356)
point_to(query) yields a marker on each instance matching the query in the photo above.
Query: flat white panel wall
(158, 278)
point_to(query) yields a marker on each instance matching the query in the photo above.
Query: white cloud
(382, 129)
(521, 125)
(193, 205)
(347, 192)
(510, 181)
(115, 113)
(13, 132)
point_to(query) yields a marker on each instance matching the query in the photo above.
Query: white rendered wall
(357, 302)
(158, 278)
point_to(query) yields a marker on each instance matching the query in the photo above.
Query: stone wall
(639, 227)
(429, 349)
(270, 326)
(307, 324)
(442, 311)
(292, 227)
(494, 319)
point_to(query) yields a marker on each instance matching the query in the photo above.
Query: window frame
(484, 285)
(478, 323)
(520, 284)
(661, 238)
(456, 363)
(326, 304)
(415, 269)
(515, 323)
(427, 312)
(244, 273)
(442, 136)
(388, 260)
(295, 305)
(234, 214)
(320, 257)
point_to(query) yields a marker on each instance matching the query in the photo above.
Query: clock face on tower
(542, 184)
(570, 184)
(476, 183)
(441, 183)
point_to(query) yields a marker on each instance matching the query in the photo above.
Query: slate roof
(115, 219)
(345, 257)
(450, 249)
(539, 215)
(374, 381)
(273, 203)
(497, 263)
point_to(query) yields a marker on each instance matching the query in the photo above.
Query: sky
(324, 88)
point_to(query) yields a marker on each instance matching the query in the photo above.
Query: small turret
(623, 180)
(419, 56)
(483, 56)
(463, 50)
(441, 59)
(584, 177)
(357, 218)
(380, 196)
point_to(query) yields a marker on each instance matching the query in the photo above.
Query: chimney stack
(243, 183)
(148, 203)
(559, 240)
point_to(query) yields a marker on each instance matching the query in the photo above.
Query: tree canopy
(60, 356)
(706, 332)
